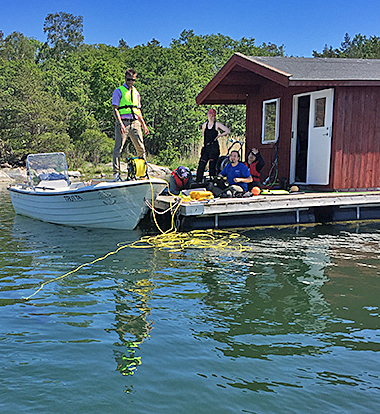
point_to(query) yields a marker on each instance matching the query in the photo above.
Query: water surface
(290, 326)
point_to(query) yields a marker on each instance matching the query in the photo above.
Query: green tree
(360, 47)
(64, 33)
(18, 47)
(103, 80)
(95, 146)
(27, 111)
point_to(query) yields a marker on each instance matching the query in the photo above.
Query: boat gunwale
(109, 185)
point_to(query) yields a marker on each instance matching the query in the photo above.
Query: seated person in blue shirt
(237, 173)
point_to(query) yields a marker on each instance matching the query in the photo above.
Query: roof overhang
(237, 78)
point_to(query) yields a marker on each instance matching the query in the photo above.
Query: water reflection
(131, 323)
(296, 296)
(46, 251)
(291, 295)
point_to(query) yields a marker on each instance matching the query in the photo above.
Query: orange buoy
(256, 190)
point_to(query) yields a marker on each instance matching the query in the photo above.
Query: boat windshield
(51, 166)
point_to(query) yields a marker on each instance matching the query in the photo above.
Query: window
(271, 116)
(320, 112)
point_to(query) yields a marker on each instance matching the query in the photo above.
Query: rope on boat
(171, 241)
(170, 208)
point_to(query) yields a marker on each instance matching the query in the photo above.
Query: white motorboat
(50, 196)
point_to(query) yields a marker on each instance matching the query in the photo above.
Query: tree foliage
(57, 95)
(360, 47)
(18, 47)
(64, 33)
(28, 112)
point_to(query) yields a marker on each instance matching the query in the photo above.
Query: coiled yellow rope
(171, 241)
(197, 239)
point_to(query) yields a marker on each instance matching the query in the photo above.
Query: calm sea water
(291, 326)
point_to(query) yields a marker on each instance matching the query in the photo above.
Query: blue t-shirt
(239, 171)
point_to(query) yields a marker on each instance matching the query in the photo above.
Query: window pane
(270, 121)
(320, 111)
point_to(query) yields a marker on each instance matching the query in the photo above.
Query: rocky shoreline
(12, 174)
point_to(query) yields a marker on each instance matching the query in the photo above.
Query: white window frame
(277, 121)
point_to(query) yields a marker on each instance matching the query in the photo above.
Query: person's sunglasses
(131, 79)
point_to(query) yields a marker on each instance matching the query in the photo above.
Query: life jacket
(129, 101)
(253, 171)
(180, 182)
(201, 195)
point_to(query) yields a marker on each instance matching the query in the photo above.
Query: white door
(311, 137)
(320, 129)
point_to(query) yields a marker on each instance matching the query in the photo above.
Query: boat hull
(111, 205)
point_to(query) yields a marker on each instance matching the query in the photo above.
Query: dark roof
(242, 74)
(322, 68)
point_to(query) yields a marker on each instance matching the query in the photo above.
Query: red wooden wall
(356, 138)
(355, 152)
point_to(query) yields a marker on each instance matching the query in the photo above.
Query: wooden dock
(266, 210)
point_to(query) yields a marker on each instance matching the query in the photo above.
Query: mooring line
(171, 241)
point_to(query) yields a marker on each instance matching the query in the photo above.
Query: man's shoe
(116, 177)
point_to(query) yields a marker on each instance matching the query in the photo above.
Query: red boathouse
(319, 118)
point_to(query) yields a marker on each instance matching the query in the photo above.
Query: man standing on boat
(126, 109)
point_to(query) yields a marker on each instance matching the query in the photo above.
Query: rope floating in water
(171, 241)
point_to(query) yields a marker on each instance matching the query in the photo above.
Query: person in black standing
(210, 150)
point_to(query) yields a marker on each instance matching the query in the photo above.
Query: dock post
(216, 223)
(357, 213)
(297, 216)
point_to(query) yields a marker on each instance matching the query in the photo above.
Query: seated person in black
(255, 164)
(210, 151)
(180, 179)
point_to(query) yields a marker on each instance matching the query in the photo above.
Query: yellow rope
(171, 241)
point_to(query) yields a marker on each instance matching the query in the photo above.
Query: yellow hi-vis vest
(129, 102)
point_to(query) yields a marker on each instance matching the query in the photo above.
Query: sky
(300, 25)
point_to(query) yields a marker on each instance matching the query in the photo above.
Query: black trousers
(209, 153)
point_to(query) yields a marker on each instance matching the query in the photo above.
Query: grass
(191, 162)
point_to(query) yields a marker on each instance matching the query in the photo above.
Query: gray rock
(13, 174)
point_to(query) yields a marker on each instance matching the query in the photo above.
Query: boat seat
(78, 185)
(53, 183)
